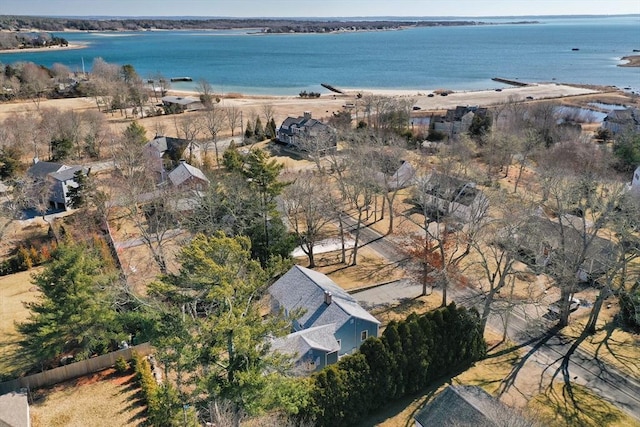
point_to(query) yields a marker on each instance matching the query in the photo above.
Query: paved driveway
(388, 294)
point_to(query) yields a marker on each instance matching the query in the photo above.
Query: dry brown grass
(610, 344)
(555, 408)
(100, 399)
(15, 290)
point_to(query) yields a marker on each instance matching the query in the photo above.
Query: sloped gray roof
(66, 174)
(450, 188)
(462, 405)
(14, 410)
(42, 169)
(319, 338)
(184, 171)
(303, 289)
(179, 100)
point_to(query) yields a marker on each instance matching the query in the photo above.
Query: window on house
(363, 335)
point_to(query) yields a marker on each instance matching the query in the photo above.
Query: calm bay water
(459, 58)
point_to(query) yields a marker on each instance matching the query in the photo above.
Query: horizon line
(307, 18)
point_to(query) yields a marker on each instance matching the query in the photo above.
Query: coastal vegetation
(270, 26)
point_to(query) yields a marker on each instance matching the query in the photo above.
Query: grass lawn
(557, 407)
(15, 290)
(103, 398)
(610, 343)
(552, 406)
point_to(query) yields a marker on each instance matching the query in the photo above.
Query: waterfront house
(622, 120)
(180, 104)
(306, 133)
(310, 299)
(458, 120)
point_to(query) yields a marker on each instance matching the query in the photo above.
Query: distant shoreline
(70, 46)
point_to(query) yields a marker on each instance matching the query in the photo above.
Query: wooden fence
(73, 370)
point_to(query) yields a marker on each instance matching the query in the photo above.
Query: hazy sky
(317, 8)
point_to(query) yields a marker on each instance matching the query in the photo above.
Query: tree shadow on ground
(537, 342)
(630, 363)
(580, 408)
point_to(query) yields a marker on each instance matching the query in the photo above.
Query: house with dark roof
(622, 120)
(460, 405)
(543, 242)
(163, 152)
(59, 178)
(310, 299)
(298, 132)
(458, 120)
(455, 197)
(185, 176)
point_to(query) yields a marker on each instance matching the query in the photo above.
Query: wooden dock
(510, 82)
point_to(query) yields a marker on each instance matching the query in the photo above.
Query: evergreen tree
(61, 149)
(218, 337)
(270, 130)
(75, 313)
(79, 196)
(231, 158)
(10, 164)
(258, 130)
(248, 132)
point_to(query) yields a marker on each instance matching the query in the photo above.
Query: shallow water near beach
(458, 58)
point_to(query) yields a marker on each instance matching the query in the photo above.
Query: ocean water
(458, 58)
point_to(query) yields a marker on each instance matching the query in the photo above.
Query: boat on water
(181, 79)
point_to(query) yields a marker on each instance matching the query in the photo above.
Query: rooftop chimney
(307, 115)
(327, 297)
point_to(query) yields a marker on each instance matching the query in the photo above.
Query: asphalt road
(527, 327)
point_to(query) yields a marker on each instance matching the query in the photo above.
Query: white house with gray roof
(315, 300)
(59, 178)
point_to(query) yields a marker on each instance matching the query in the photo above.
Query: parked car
(574, 304)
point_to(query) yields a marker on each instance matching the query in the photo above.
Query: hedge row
(407, 358)
(25, 258)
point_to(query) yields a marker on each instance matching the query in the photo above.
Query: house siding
(350, 333)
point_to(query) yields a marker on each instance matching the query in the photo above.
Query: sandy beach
(45, 49)
(323, 107)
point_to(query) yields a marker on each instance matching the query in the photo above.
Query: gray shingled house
(295, 130)
(312, 349)
(460, 405)
(58, 177)
(316, 300)
(451, 196)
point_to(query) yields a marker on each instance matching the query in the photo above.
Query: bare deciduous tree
(305, 206)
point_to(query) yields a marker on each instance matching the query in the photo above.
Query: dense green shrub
(408, 357)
